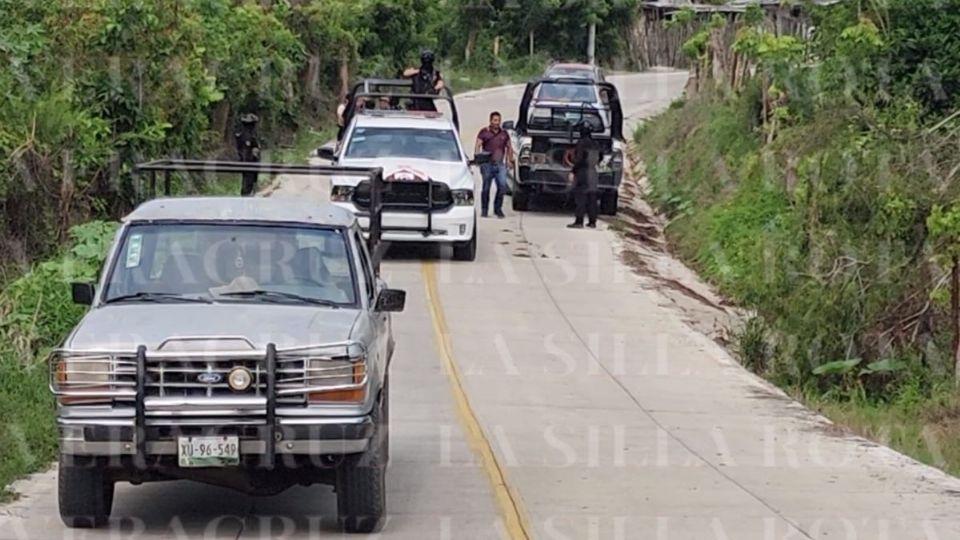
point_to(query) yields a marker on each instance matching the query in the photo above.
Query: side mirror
(327, 152)
(509, 125)
(480, 158)
(83, 293)
(391, 300)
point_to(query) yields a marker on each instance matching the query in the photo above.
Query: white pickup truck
(428, 193)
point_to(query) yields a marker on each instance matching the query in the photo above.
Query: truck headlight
(83, 371)
(82, 379)
(345, 380)
(341, 193)
(462, 197)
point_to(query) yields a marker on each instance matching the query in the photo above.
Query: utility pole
(592, 44)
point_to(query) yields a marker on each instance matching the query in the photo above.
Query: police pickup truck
(545, 134)
(240, 342)
(428, 193)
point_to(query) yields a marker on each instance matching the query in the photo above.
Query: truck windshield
(416, 143)
(229, 262)
(567, 92)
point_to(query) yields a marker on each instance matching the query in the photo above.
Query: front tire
(609, 200)
(466, 251)
(85, 496)
(361, 481)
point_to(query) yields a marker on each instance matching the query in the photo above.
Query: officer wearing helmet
(248, 150)
(586, 156)
(426, 80)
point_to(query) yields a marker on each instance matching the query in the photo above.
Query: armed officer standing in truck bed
(426, 80)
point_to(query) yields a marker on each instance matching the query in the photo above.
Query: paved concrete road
(541, 392)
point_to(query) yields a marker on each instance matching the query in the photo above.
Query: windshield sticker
(134, 249)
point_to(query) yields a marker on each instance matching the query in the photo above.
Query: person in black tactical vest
(426, 80)
(248, 150)
(586, 156)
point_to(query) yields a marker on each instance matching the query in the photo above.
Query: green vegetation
(482, 34)
(306, 140)
(36, 311)
(465, 79)
(822, 193)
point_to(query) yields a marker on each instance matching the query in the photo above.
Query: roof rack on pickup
(401, 113)
(373, 174)
(396, 90)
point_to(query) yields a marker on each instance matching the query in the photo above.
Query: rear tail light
(524, 157)
(617, 158)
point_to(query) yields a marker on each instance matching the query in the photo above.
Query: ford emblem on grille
(209, 378)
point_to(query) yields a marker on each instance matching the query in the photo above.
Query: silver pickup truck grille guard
(171, 386)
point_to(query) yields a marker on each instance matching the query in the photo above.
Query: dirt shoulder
(645, 249)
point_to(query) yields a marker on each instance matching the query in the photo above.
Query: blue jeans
(489, 172)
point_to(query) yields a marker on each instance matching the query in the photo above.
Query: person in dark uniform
(248, 150)
(586, 156)
(426, 80)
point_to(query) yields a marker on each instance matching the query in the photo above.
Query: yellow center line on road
(507, 500)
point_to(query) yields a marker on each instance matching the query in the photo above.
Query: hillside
(814, 181)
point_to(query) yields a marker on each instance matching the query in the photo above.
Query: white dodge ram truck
(428, 193)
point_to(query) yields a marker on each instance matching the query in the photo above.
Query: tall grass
(36, 313)
(822, 235)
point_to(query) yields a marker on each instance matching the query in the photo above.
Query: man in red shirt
(496, 141)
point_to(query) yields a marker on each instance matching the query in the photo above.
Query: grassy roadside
(816, 234)
(467, 80)
(35, 313)
(925, 428)
(306, 141)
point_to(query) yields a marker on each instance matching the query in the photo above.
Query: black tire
(608, 202)
(466, 251)
(362, 482)
(520, 199)
(85, 496)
